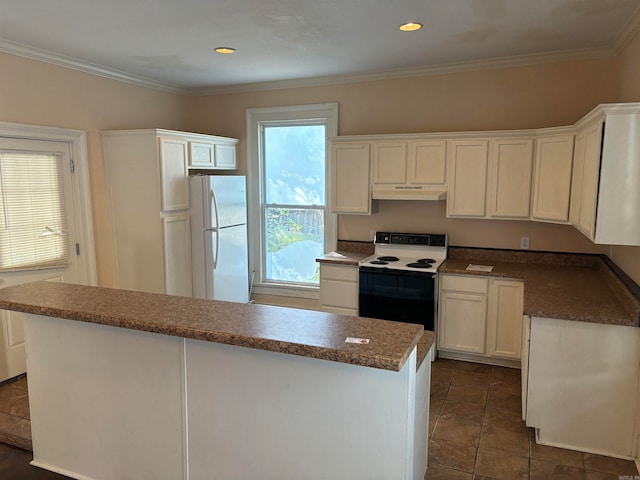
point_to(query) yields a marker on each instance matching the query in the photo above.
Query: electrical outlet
(524, 243)
(372, 234)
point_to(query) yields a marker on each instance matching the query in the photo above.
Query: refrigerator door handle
(214, 204)
(215, 229)
(215, 256)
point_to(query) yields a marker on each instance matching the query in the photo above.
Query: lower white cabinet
(339, 289)
(582, 385)
(176, 232)
(481, 316)
(504, 319)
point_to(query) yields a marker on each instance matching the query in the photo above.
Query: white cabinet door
(552, 180)
(176, 231)
(463, 324)
(174, 173)
(351, 187)
(225, 158)
(389, 162)
(201, 154)
(577, 178)
(468, 178)
(427, 162)
(590, 179)
(504, 320)
(509, 185)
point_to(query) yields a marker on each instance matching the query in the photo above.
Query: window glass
(294, 166)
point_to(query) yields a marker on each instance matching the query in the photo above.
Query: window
(290, 223)
(33, 226)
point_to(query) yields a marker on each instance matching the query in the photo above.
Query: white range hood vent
(405, 192)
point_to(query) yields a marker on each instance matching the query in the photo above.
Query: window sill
(287, 291)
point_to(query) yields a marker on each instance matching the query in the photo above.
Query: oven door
(398, 295)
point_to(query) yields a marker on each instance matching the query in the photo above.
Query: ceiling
(168, 44)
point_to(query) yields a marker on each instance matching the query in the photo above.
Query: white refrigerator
(218, 206)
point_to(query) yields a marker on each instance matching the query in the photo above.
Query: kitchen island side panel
(110, 402)
(260, 414)
(105, 402)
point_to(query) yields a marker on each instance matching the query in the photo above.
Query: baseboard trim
(470, 357)
(61, 471)
(584, 450)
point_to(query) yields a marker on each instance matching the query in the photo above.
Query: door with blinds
(37, 231)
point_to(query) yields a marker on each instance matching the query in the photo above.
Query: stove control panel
(422, 239)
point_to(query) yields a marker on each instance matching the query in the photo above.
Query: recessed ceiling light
(410, 27)
(225, 50)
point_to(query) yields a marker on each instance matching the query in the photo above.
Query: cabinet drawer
(463, 283)
(336, 293)
(345, 273)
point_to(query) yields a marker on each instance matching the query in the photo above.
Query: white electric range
(399, 281)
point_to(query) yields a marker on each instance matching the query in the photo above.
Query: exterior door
(13, 272)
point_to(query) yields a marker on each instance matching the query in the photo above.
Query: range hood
(403, 192)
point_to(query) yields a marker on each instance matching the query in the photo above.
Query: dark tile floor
(15, 426)
(476, 432)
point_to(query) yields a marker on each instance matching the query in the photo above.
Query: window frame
(256, 118)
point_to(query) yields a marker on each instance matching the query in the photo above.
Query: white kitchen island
(132, 385)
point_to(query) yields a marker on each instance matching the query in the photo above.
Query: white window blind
(33, 224)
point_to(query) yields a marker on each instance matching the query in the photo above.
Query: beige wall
(628, 258)
(38, 93)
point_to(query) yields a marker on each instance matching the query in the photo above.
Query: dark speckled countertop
(349, 253)
(297, 332)
(564, 286)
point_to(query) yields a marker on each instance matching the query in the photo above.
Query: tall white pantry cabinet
(147, 176)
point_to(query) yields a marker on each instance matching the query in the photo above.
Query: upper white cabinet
(587, 174)
(509, 178)
(413, 169)
(427, 162)
(350, 182)
(552, 178)
(389, 163)
(606, 175)
(213, 153)
(174, 174)
(468, 178)
(147, 178)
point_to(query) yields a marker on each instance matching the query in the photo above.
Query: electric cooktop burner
(419, 265)
(426, 260)
(379, 262)
(388, 259)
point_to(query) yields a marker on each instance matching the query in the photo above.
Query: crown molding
(39, 54)
(495, 63)
(630, 30)
(628, 33)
